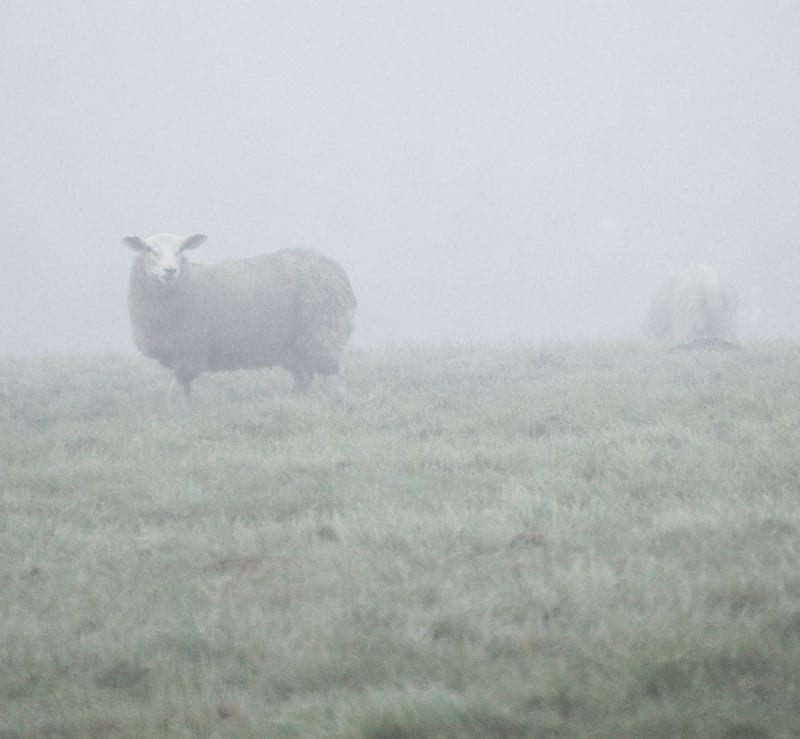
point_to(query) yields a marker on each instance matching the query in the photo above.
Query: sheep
(696, 306)
(293, 308)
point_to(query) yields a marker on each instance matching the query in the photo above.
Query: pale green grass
(579, 541)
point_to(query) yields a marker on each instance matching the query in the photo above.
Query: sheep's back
(258, 309)
(705, 305)
(246, 308)
(698, 303)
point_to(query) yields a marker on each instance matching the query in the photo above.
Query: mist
(514, 171)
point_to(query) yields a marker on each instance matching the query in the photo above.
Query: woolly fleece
(293, 308)
(697, 304)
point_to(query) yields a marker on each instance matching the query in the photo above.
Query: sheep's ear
(193, 241)
(135, 243)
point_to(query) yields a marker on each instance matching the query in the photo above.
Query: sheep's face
(162, 254)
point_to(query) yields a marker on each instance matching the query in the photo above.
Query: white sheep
(696, 305)
(292, 308)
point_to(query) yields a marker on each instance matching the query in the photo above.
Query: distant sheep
(292, 308)
(696, 306)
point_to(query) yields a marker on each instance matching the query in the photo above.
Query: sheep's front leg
(180, 391)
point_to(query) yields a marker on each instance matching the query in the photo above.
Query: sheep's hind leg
(340, 391)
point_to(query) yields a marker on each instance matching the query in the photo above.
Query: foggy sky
(483, 170)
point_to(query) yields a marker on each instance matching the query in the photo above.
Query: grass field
(565, 541)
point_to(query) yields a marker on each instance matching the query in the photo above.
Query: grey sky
(483, 170)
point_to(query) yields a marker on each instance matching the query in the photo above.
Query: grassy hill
(567, 541)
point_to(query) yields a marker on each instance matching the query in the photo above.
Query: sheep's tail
(349, 297)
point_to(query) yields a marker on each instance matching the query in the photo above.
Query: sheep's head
(162, 254)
